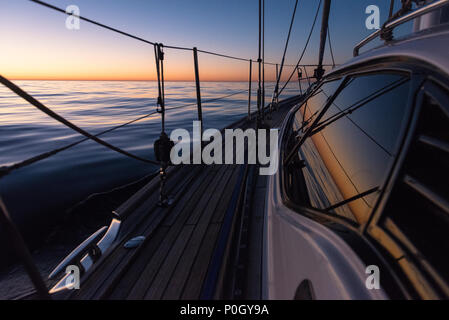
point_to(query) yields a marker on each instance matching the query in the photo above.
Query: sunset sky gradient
(37, 45)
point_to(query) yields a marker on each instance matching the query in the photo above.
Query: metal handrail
(399, 21)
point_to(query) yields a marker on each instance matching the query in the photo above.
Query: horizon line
(132, 80)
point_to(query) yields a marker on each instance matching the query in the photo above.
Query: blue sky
(229, 27)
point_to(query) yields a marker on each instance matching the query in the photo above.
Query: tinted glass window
(314, 104)
(371, 116)
(416, 212)
(357, 141)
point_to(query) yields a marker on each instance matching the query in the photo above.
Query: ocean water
(38, 193)
(39, 196)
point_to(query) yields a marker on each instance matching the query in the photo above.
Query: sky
(37, 45)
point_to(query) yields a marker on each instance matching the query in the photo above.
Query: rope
(22, 252)
(276, 88)
(92, 21)
(299, 80)
(95, 138)
(45, 155)
(159, 58)
(259, 60)
(163, 145)
(144, 40)
(223, 55)
(307, 76)
(263, 59)
(65, 122)
(207, 101)
(299, 65)
(42, 156)
(305, 47)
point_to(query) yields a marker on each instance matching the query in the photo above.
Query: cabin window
(417, 211)
(311, 108)
(351, 149)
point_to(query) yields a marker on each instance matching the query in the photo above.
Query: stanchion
(163, 145)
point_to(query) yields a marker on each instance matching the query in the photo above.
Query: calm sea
(38, 196)
(36, 193)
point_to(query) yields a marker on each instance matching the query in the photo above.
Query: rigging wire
(276, 88)
(305, 46)
(359, 195)
(299, 65)
(263, 59)
(45, 4)
(21, 93)
(160, 74)
(21, 250)
(207, 100)
(259, 60)
(95, 137)
(222, 55)
(163, 145)
(307, 77)
(303, 138)
(299, 80)
(45, 155)
(362, 102)
(159, 58)
(319, 71)
(349, 178)
(5, 170)
(330, 46)
(390, 13)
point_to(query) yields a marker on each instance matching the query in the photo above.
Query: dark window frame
(385, 231)
(376, 250)
(316, 212)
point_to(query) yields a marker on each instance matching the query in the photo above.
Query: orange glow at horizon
(123, 69)
(69, 56)
(35, 49)
(61, 54)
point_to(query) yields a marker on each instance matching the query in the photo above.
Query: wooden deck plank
(120, 256)
(151, 269)
(104, 270)
(211, 170)
(132, 275)
(126, 282)
(220, 184)
(160, 283)
(174, 260)
(158, 252)
(148, 253)
(253, 286)
(179, 277)
(202, 261)
(192, 289)
(163, 276)
(219, 214)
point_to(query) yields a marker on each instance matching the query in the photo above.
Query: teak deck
(206, 245)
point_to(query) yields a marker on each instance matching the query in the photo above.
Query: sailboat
(357, 208)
